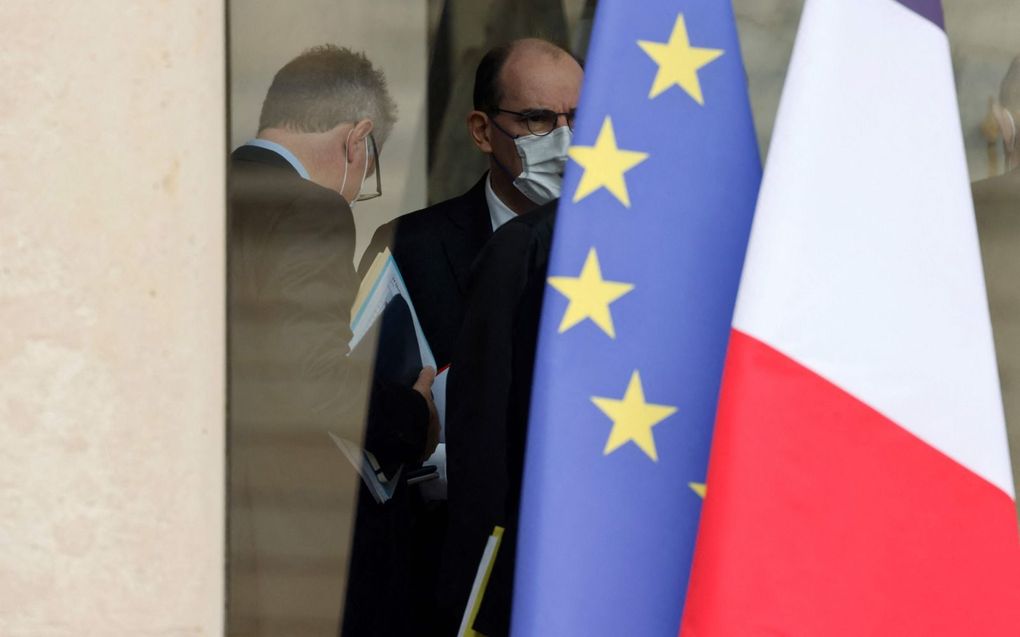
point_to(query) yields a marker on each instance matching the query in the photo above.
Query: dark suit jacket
(434, 249)
(489, 395)
(291, 284)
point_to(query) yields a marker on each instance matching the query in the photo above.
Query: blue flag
(650, 237)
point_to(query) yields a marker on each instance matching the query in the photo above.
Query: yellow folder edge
(369, 281)
(481, 582)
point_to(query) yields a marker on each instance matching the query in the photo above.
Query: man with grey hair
(997, 208)
(329, 110)
(291, 286)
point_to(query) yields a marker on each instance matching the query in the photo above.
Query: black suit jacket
(489, 395)
(434, 249)
(291, 284)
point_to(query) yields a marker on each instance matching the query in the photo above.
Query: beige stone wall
(112, 147)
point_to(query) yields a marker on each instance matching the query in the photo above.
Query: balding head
(513, 57)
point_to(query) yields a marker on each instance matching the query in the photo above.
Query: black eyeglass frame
(378, 174)
(550, 115)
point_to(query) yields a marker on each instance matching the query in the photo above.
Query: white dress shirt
(499, 212)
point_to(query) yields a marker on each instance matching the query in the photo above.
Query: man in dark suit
(525, 95)
(291, 286)
(489, 397)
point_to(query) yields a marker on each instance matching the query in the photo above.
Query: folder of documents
(381, 285)
(385, 327)
(480, 584)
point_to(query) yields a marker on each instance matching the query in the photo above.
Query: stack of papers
(382, 283)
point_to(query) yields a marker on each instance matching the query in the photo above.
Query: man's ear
(480, 130)
(358, 137)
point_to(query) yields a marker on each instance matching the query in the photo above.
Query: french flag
(859, 481)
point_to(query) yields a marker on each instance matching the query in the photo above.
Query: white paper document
(382, 283)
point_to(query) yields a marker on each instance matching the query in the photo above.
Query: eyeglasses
(374, 150)
(541, 121)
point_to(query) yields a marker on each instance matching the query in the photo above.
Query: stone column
(112, 148)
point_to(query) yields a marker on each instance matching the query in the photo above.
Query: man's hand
(424, 387)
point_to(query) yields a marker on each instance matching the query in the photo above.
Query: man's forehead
(540, 78)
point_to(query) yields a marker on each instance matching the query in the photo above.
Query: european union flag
(650, 238)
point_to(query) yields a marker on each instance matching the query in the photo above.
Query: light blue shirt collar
(282, 152)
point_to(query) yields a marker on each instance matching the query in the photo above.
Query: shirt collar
(499, 212)
(282, 152)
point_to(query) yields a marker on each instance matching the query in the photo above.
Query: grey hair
(326, 86)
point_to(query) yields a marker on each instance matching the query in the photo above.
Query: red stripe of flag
(824, 517)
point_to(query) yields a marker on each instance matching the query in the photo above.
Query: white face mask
(542, 160)
(364, 174)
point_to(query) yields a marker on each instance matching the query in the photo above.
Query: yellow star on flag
(699, 488)
(633, 418)
(678, 62)
(604, 165)
(590, 295)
